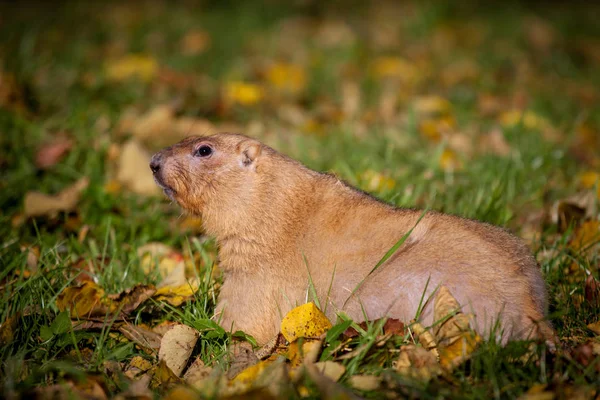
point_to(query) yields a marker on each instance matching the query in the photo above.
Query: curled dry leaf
(304, 321)
(39, 204)
(328, 388)
(417, 363)
(133, 171)
(176, 347)
(51, 153)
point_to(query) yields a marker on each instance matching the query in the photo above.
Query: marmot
(280, 225)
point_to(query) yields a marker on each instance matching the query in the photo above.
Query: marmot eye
(203, 151)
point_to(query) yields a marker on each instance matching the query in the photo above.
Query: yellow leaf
(588, 179)
(250, 374)
(304, 321)
(595, 327)
(246, 94)
(376, 182)
(181, 393)
(586, 235)
(331, 369)
(287, 77)
(179, 294)
(459, 351)
(307, 353)
(529, 119)
(7, 329)
(140, 363)
(433, 106)
(449, 161)
(133, 65)
(394, 67)
(82, 300)
(434, 128)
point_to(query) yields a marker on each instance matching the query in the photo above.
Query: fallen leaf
(7, 329)
(434, 129)
(374, 181)
(456, 341)
(366, 383)
(304, 351)
(177, 295)
(394, 326)
(176, 347)
(250, 374)
(162, 377)
(331, 369)
(394, 67)
(242, 358)
(50, 154)
(270, 347)
(139, 66)
(176, 276)
(328, 388)
(588, 179)
(145, 338)
(133, 171)
(38, 204)
(243, 93)
(286, 77)
(137, 366)
(528, 119)
(495, 143)
(129, 300)
(417, 362)
(196, 372)
(592, 291)
(194, 42)
(83, 301)
(538, 392)
(432, 106)
(586, 236)
(138, 389)
(304, 321)
(449, 161)
(594, 327)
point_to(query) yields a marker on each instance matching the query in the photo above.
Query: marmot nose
(155, 163)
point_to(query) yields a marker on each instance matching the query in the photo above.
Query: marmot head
(203, 171)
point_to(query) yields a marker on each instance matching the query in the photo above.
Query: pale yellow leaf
(140, 66)
(176, 347)
(133, 171)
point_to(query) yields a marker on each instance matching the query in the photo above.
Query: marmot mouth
(169, 191)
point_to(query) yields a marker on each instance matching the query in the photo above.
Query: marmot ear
(249, 150)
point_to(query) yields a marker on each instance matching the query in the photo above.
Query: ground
(487, 112)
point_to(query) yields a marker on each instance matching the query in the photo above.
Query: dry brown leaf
(7, 329)
(447, 309)
(129, 300)
(145, 338)
(50, 154)
(270, 347)
(196, 372)
(417, 362)
(586, 237)
(592, 291)
(176, 276)
(139, 390)
(176, 347)
(38, 204)
(133, 171)
(242, 358)
(194, 42)
(304, 321)
(495, 142)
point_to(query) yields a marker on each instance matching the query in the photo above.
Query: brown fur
(276, 220)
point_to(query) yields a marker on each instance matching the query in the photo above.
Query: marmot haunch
(276, 221)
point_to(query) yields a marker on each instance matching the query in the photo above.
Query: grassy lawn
(489, 113)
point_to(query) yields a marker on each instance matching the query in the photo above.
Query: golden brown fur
(275, 220)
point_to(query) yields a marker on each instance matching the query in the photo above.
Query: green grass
(57, 56)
